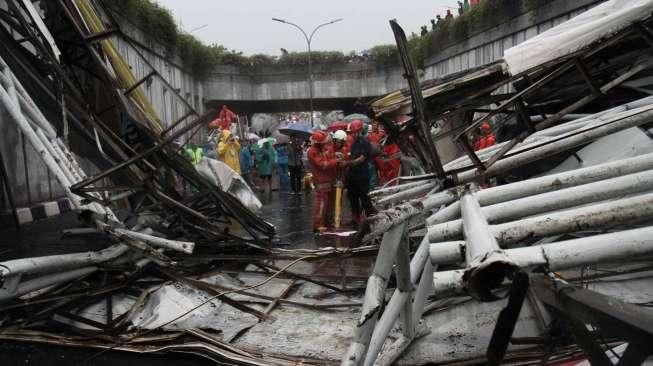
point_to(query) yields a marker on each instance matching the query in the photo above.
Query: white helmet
(340, 135)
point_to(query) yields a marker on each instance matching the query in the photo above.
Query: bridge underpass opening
(347, 105)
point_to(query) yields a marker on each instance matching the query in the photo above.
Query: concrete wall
(488, 45)
(31, 182)
(168, 106)
(364, 80)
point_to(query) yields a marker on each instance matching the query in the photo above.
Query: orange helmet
(355, 126)
(319, 137)
(485, 127)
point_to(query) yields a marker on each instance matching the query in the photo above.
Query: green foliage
(384, 55)
(194, 54)
(531, 5)
(150, 15)
(317, 57)
(200, 58)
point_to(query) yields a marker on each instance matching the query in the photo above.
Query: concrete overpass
(276, 88)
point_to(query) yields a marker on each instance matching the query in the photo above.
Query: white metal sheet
(577, 33)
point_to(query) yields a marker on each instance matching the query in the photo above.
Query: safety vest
(195, 155)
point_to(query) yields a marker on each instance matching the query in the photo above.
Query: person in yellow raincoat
(229, 150)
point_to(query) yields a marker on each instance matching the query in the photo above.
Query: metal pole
(309, 39)
(310, 81)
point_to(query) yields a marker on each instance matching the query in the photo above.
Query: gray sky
(246, 25)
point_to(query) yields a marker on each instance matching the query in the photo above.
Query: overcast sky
(246, 25)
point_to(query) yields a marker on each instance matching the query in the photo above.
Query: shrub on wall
(384, 54)
(200, 58)
(150, 16)
(485, 15)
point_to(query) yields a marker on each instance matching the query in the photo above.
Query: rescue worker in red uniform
(323, 164)
(389, 164)
(340, 145)
(224, 120)
(377, 134)
(487, 138)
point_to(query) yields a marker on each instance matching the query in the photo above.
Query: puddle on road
(293, 217)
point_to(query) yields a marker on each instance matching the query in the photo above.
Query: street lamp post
(308, 43)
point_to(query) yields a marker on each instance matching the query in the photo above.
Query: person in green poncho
(194, 153)
(266, 159)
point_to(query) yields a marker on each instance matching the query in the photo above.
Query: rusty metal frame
(435, 164)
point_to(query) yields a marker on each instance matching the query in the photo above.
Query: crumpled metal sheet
(170, 301)
(221, 175)
(120, 304)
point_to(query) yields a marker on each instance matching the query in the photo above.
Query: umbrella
(282, 139)
(338, 125)
(271, 140)
(359, 116)
(299, 130)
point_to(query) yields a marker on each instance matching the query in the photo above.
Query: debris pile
(521, 247)
(190, 266)
(536, 250)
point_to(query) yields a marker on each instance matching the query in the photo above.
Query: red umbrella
(338, 125)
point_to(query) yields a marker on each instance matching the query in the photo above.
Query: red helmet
(355, 126)
(485, 127)
(319, 137)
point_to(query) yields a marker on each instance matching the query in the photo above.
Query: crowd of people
(354, 157)
(463, 7)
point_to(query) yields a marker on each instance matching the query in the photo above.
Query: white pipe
(570, 197)
(397, 188)
(38, 145)
(538, 185)
(394, 306)
(374, 296)
(46, 281)
(476, 230)
(448, 252)
(26, 102)
(407, 194)
(53, 263)
(486, 260)
(601, 216)
(180, 246)
(595, 217)
(551, 201)
(591, 250)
